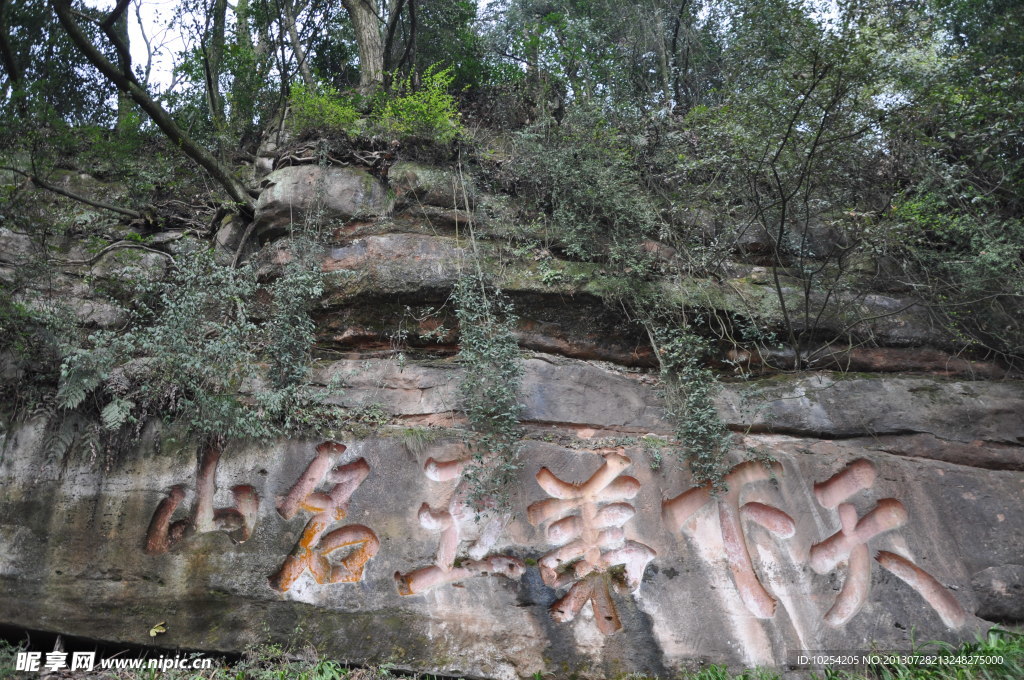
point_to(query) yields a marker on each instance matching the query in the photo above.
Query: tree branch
(147, 41)
(68, 194)
(116, 245)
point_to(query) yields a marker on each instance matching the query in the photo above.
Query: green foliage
(32, 337)
(995, 644)
(970, 265)
(194, 352)
(580, 177)
(188, 353)
(427, 112)
(290, 331)
(8, 659)
(689, 388)
(323, 109)
(448, 34)
(489, 389)
(53, 79)
(33, 340)
(960, 216)
(641, 58)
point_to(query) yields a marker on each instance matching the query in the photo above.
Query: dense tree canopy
(849, 145)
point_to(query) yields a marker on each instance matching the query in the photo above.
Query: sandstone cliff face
(675, 578)
(894, 509)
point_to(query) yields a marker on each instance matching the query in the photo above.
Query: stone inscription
(583, 521)
(446, 522)
(236, 521)
(850, 545)
(678, 510)
(586, 521)
(316, 546)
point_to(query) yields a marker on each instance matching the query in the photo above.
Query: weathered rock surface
(427, 264)
(869, 360)
(72, 288)
(837, 406)
(418, 184)
(969, 417)
(290, 195)
(677, 579)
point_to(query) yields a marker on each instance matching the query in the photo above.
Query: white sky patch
(164, 38)
(152, 20)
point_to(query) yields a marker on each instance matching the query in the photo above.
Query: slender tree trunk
(366, 22)
(213, 62)
(394, 18)
(124, 102)
(10, 62)
(300, 54)
(658, 39)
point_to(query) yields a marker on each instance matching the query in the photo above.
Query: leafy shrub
(424, 112)
(290, 331)
(194, 355)
(490, 386)
(32, 337)
(187, 354)
(322, 108)
(969, 264)
(689, 388)
(428, 112)
(581, 179)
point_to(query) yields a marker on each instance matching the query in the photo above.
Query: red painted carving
(586, 521)
(315, 546)
(236, 521)
(850, 544)
(678, 510)
(447, 523)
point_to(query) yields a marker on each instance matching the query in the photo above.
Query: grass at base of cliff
(270, 662)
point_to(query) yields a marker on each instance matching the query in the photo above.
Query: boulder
(291, 196)
(15, 248)
(415, 183)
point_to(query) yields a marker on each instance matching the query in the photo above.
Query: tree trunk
(300, 54)
(366, 22)
(124, 102)
(10, 62)
(213, 62)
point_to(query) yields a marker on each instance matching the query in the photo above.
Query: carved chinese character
(237, 521)
(850, 545)
(316, 545)
(678, 510)
(448, 522)
(586, 521)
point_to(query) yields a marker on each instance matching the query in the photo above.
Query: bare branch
(116, 245)
(76, 197)
(147, 41)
